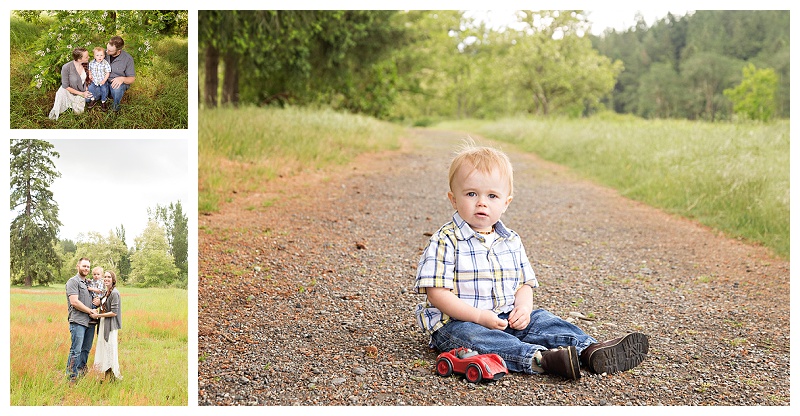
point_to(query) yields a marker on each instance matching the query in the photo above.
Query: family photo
(94, 307)
(86, 84)
(98, 69)
(99, 271)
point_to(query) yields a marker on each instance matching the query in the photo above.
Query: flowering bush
(91, 28)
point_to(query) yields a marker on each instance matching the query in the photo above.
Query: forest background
(418, 67)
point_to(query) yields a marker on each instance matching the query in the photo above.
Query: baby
(99, 69)
(479, 284)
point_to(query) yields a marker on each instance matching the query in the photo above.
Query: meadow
(153, 351)
(158, 99)
(733, 177)
(240, 149)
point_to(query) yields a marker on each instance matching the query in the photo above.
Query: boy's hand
(491, 321)
(520, 317)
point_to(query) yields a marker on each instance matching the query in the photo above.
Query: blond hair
(100, 49)
(483, 159)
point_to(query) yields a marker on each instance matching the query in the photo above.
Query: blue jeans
(82, 338)
(98, 91)
(545, 331)
(117, 93)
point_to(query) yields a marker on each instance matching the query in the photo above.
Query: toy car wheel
(473, 373)
(444, 367)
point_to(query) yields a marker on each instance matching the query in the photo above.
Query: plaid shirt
(486, 278)
(99, 70)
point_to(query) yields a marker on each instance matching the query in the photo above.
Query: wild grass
(158, 99)
(153, 351)
(730, 176)
(241, 148)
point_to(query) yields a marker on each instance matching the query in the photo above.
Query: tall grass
(158, 99)
(153, 351)
(240, 149)
(732, 177)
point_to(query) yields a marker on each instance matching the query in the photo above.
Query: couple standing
(83, 320)
(111, 72)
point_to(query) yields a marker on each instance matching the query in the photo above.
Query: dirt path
(305, 292)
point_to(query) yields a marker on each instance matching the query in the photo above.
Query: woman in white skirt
(73, 92)
(106, 357)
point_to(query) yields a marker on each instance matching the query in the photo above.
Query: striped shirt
(458, 259)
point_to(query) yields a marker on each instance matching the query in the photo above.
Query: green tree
(660, 92)
(34, 230)
(125, 260)
(106, 252)
(709, 74)
(151, 263)
(754, 98)
(557, 70)
(176, 228)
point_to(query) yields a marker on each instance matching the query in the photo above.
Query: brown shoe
(92, 103)
(562, 361)
(620, 354)
(104, 106)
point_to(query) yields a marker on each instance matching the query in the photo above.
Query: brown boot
(104, 106)
(91, 104)
(562, 361)
(620, 354)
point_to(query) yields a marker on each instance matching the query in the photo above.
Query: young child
(479, 284)
(96, 286)
(99, 69)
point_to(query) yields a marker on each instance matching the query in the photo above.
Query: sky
(601, 19)
(107, 183)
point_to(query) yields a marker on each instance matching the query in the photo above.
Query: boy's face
(479, 198)
(99, 56)
(97, 274)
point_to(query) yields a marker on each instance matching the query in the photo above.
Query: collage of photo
(334, 209)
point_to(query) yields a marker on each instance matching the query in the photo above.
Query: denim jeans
(545, 331)
(81, 343)
(117, 93)
(98, 91)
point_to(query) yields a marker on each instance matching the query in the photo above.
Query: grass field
(153, 349)
(239, 149)
(158, 99)
(732, 177)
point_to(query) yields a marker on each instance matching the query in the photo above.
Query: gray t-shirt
(76, 286)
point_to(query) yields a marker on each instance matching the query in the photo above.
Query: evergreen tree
(180, 239)
(176, 229)
(34, 230)
(125, 261)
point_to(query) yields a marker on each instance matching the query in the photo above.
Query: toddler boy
(479, 284)
(99, 70)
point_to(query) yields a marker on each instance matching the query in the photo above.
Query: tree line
(158, 257)
(422, 65)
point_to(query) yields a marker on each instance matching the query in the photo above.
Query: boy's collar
(465, 232)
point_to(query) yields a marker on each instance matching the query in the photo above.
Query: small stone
(338, 381)
(359, 371)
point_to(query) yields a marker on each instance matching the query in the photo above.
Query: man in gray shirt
(81, 333)
(123, 72)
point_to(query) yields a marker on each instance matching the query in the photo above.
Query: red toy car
(474, 366)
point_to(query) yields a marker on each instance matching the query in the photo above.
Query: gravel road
(305, 291)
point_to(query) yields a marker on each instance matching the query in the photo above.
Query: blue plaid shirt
(99, 70)
(484, 277)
